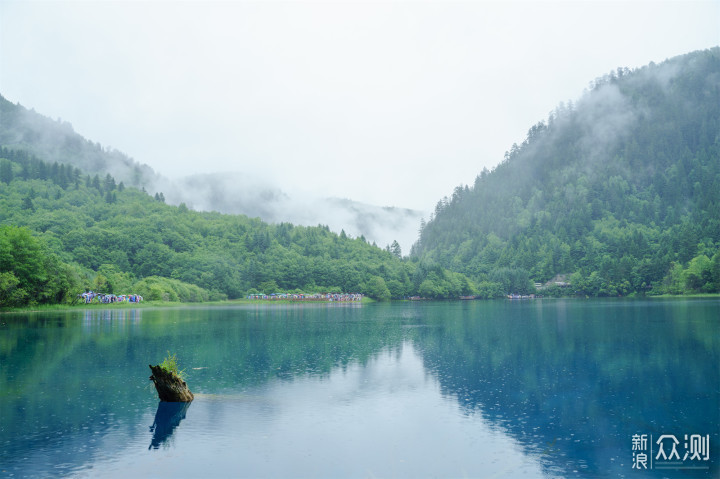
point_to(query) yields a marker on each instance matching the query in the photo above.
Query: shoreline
(162, 304)
(244, 301)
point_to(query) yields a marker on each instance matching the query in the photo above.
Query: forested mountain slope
(621, 190)
(57, 141)
(225, 192)
(62, 231)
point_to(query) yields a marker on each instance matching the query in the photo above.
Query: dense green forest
(617, 194)
(62, 232)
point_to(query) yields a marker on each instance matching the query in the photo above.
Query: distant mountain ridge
(621, 189)
(231, 193)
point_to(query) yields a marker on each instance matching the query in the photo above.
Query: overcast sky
(392, 104)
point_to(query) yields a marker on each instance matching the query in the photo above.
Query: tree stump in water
(169, 387)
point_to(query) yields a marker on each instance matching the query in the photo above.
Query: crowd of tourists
(330, 297)
(90, 296)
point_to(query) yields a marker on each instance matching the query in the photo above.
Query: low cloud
(236, 193)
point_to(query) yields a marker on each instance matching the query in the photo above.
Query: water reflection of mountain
(573, 383)
(167, 417)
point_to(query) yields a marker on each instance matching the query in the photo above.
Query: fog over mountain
(56, 140)
(246, 193)
(413, 97)
(237, 193)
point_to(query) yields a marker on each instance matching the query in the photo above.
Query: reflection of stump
(170, 387)
(167, 418)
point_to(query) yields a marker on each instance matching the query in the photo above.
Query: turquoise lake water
(543, 388)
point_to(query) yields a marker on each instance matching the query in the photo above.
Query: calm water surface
(545, 388)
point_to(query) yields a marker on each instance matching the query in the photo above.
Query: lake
(540, 388)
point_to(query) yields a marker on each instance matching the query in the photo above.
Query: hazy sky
(390, 103)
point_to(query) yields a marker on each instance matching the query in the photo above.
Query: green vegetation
(30, 272)
(62, 232)
(170, 365)
(155, 288)
(620, 193)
